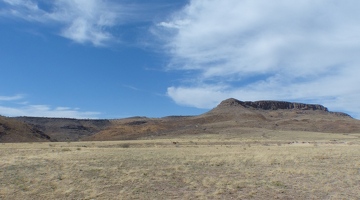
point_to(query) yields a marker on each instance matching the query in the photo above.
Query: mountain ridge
(230, 115)
(276, 105)
(272, 105)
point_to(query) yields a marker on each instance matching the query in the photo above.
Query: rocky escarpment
(276, 105)
(271, 105)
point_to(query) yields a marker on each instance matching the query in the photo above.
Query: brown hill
(65, 129)
(12, 130)
(280, 115)
(232, 115)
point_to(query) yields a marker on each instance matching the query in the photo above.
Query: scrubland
(257, 164)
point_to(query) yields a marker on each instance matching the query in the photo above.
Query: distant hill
(65, 129)
(12, 130)
(280, 115)
(230, 116)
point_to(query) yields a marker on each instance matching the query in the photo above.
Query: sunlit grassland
(256, 164)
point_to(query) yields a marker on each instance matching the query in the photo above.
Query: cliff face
(271, 105)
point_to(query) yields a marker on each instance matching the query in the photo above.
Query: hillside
(231, 116)
(64, 129)
(12, 130)
(234, 116)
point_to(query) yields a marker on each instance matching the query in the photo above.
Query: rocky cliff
(275, 105)
(271, 105)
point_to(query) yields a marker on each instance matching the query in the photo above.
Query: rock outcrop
(271, 105)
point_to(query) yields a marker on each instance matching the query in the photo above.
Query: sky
(122, 58)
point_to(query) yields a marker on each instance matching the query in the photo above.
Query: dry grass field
(257, 164)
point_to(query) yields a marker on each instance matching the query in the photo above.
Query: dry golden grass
(253, 165)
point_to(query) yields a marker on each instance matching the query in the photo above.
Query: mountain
(281, 115)
(230, 116)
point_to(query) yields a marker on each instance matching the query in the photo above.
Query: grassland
(256, 164)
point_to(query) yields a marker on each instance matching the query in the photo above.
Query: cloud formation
(253, 50)
(11, 98)
(18, 107)
(82, 21)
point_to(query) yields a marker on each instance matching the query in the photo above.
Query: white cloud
(83, 21)
(259, 49)
(197, 96)
(87, 20)
(26, 109)
(11, 98)
(46, 111)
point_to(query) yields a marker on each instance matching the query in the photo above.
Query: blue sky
(115, 59)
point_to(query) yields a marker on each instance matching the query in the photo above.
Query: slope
(235, 116)
(65, 129)
(12, 130)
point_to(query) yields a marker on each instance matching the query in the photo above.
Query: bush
(126, 145)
